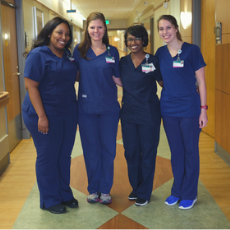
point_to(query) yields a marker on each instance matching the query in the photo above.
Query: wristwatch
(204, 107)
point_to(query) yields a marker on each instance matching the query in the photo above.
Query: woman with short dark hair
(140, 113)
(50, 112)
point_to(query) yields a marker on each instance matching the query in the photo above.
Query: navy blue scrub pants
(140, 144)
(183, 138)
(53, 157)
(98, 137)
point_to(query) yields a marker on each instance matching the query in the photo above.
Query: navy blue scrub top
(97, 92)
(57, 77)
(140, 103)
(179, 97)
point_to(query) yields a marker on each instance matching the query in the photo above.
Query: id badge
(178, 64)
(71, 58)
(148, 67)
(110, 60)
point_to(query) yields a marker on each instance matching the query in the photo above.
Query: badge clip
(178, 54)
(147, 57)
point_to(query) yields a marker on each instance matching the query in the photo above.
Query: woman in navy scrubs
(50, 112)
(140, 113)
(183, 109)
(98, 106)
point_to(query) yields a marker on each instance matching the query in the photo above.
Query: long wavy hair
(173, 21)
(43, 37)
(86, 43)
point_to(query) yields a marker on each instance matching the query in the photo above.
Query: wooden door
(208, 44)
(8, 20)
(222, 86)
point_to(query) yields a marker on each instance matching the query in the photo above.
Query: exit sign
(106, 22)
(71, 11)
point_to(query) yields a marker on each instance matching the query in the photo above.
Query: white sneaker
(105, 199)
(93, 198)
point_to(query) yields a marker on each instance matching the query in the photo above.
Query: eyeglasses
(133, 39)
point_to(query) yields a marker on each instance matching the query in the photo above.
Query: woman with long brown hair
(98, 106)
(183, 109)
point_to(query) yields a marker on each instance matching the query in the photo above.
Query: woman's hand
(117, 81)
(35, 98)
(200, 76)
(43, 125)
(203, 120)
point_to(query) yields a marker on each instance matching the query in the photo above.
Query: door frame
(21, 59)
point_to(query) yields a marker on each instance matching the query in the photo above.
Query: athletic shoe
(141, 202)
(171, 200)
(132, 196)
(93, 197)
(105, 199)
(187, 204)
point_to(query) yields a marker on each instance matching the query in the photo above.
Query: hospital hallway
(20, 197)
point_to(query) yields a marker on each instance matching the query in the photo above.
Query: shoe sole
(71, 206)
(93, 201)
(54, 212)
(184, 208)
(170, 204)
(132, 198)
(141, 204)
(105, 202)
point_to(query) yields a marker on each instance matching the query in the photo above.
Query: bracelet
(204, 107)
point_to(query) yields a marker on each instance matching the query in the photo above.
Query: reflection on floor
(19, 195)
(122, 213)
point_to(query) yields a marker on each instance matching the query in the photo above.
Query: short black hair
(137, 31)
(43, 37)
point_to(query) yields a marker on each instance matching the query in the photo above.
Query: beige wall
(28, 19)
(117, 24)
(60, 8)
(186, 33)
(160, 11)
(28, 6)
(142, 8)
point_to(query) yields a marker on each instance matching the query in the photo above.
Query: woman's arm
(161, 83)
(78, 76)
(200, 74)
(117, 81)
(35, 98)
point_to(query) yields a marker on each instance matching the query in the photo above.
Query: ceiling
(112, 9)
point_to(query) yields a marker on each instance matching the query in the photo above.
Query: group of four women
(51, 111)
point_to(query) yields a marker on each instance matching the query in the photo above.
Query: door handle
(18, 74)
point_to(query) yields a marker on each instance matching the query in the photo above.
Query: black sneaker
(132, 196)
(141, 202)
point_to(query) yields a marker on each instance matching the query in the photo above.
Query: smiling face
(59, 38)
(134, 44)
(96, 30)
(167, 31)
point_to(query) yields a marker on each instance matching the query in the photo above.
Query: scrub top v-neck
(140, 103)
(57, 77)
(97, 91)
(179, 96)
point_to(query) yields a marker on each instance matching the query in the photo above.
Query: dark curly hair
(43, 37)
(137, 31)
